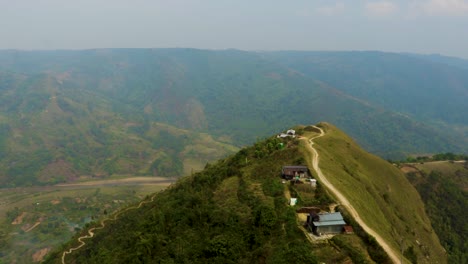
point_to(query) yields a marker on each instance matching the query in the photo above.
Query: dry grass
(379, 192)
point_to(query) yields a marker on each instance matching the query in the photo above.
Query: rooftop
(348, 229)
(295, 167)
(330, 223)
(330, 219)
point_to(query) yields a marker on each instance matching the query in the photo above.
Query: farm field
(33, 220)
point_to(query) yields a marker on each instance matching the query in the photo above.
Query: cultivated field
(33, 220)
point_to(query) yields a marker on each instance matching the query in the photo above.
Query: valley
(86, 133)
(167, 112)
(35, 220)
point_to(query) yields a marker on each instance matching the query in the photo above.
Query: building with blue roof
(327, 223)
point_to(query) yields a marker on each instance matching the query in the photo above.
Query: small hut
(290, 171)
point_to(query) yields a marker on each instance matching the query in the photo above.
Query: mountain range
(166, 112)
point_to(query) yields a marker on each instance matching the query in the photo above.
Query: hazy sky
(422, 26)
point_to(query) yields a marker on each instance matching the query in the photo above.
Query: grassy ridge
(234, 211)
(380, 193)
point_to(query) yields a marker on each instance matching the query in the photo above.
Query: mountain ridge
(244, 183)
(92, 99)
(375, 187)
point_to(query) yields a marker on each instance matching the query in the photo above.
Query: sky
(418, 26)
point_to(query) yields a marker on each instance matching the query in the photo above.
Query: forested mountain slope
(424, 87)
(54, 133)
(235, 211)
(443, 186)
(141, 111)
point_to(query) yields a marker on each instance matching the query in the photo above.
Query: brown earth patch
(39, 255)
(19, 219)
(25, 227)
(407, 169)
(55, 202)
(132, 124)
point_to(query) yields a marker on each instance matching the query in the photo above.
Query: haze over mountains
(169, 111)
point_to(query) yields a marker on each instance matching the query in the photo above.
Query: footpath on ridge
(103, 224)
(343, 201)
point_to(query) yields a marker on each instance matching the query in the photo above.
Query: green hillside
(423, 87)
(380, 193)
(235, 211)
(67, 114)
(443, 186)
(52, 134)
(34, 220)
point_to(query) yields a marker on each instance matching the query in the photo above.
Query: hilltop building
(292, 171)
(289, 133)
(328, 223)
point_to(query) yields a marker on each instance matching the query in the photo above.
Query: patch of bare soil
(19, 219)
(39, 255)
(332, 207)
(408, 169)
(131, 124)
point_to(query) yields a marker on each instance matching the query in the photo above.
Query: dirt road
(123, 181)
(103, 224)
(394, 256)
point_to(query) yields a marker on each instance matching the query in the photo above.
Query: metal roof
(330, 223)
(330, 219)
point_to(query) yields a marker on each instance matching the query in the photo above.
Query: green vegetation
(370, 245)
(437, 157)
(65, 114)
(42, 218)
(70, 138)
(380, 193)
(356, 251)
(69, 115)
(405, 84)
(234, 211)
(443, 186)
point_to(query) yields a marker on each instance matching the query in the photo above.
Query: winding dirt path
(103, 224)
(394, 256)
